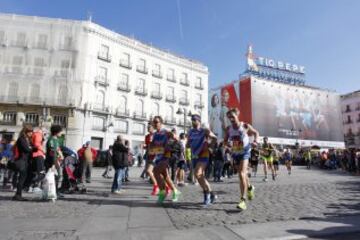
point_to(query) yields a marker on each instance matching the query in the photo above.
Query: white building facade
(350, 104)
(93, 81)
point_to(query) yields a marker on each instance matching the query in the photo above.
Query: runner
(149, 168)
(276, 161)
(238, 134)
(254, 160)
(288, 160)
(267, 156)
(159, 149)
(198, 142)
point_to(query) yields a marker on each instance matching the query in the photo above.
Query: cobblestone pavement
(306, 194)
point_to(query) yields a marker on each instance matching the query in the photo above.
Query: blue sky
(322, 35)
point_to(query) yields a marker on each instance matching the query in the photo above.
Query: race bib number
(237, 146)
(157, 150)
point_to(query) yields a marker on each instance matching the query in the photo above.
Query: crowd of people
(172, 160)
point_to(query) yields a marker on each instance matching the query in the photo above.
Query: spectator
(38, 158)
(120, 163)
(219, 162)
(130, 162)
(87, 156)
(22, 157)
(108, 163)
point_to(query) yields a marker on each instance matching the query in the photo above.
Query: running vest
(198, 143)
(267, 150)
(158, 147)
(239, 140)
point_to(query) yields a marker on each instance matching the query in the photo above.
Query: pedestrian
(120, 163)
(174, 146)
(87, 156)
(228, 167)
(108, 162)
(130, 162)
(22, 157)
(219, 162)
(38, 158)
(180, 171)
(54, 155)
(254, 160)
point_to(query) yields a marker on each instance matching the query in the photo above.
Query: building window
(184, 79)
(138, 129)
(42, 41)
(141, 67)
(35, 93)
(32, 118)
(67, 43)
(65, 65)
(2, 37)
(184, 98)
(63, 93)
(125, 60)
(121, 126)
(39, 63)
(98, 123)
(198, 101)
(104, 53)
(156, 93)
(102, 74)
(348, 119)
(9, 118)
(348, 108)
(20, 39)
(13, 92)
(171, 75)
(155, 110)
(198, 83)
(60, 120)
(17, 62)
(157, 71)
(122, 109)
(100, 100)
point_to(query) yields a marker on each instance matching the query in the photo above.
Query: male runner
(198, 138)
(150, 160)
(238, 134)
(160, 150)
(288, 160)
(267, 156)
(254, 160)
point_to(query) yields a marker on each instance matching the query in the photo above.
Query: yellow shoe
(251, 192)
(242, 204)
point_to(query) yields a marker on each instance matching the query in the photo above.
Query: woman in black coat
(120, 162)
(22, 158)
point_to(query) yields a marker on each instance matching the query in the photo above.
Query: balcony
(139, 115)
(184, 82)
(170, 98)
(199, 86)
(184, 102)
(142, 69)
(124, 87)
(141, 92)
(171, 78)
(157, 74)
(101, 81)
(19, 43)
(156, 95)
(125, 64)
(123, 112)
(104, 57)
(170, 120)
(9, 119)
(199, 104)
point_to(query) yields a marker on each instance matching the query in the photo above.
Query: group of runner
(241, 139)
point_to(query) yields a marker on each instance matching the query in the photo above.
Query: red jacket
(37, 142)
(82, 150)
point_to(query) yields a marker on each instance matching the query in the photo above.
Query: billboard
(286, 111)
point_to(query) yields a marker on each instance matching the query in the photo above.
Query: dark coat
(120, 155)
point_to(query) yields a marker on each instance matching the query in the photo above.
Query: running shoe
(161, 196)
(273, 177)
(207, 200)
(289, 173)
(155, 190)
(175, 195)
(265, 179)
(251, 192)
(242, 204)
(213, 197)
(167, 190)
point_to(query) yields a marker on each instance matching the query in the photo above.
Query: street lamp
(185, 113)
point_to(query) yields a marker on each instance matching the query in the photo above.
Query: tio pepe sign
(267, 62)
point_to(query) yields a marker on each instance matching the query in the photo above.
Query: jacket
(24, 149)
(120, 155)
(81, 153)
(37, 141)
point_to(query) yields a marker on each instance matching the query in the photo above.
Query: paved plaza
(306, 204)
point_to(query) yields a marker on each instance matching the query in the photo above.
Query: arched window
(140, 106)
(123, 104)
(100, 100)
(155, 109)
(63, 93)
(35, 93)
(13, 91)
(171, 112)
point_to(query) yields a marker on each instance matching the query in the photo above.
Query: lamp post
(185, 113)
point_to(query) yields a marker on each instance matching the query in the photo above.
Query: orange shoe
(155, 190)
